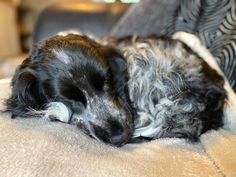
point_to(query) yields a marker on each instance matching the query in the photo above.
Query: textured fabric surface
(32, 147)
(145, 18)
(214, 22)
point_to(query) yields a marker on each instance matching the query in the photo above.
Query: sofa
(32, 147)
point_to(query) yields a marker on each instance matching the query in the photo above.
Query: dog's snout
(119, 137)
(116, 129)
(114, 133)
(119, 133)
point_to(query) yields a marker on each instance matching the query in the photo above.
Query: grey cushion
(96, 19)
(145, 18)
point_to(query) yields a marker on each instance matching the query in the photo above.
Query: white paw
(57, 111)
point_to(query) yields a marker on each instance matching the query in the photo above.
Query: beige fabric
(33, 147)
(9, 64)
(36, 148)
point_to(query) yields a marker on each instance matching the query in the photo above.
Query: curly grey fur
(162, 72)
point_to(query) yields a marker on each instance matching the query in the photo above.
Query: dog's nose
(119, 136)
(120, 133)
(114, 133)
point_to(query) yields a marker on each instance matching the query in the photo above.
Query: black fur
(99, 71)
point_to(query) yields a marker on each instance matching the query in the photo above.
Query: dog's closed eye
(96, 81)
(72, 92)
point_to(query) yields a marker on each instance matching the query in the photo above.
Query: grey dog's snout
(115, 133)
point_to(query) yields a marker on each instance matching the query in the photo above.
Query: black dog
(75, 73)
(147, 87)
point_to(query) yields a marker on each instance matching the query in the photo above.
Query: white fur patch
(57, 111)
(72, 31)
(61, 55)
(76, 32)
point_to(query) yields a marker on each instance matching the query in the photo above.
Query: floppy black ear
(213, 94)
(26, 94)
(119, 77)
(214, 99)
(117, 72)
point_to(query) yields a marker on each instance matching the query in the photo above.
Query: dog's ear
(214, 98)
(117, 69)
(26, 94)
(26, 88)
(213, 94)
(118, 78)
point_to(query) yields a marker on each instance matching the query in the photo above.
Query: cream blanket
(36, 148)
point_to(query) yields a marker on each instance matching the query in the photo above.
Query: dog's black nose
(119, 137)
(119, 133)
(114, 133)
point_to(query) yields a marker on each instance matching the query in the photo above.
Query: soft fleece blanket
(37, 148)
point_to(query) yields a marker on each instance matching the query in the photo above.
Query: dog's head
(87, 78)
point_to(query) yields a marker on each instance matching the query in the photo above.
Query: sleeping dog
(129, 90)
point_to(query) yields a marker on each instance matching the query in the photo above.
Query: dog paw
(57, 111)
